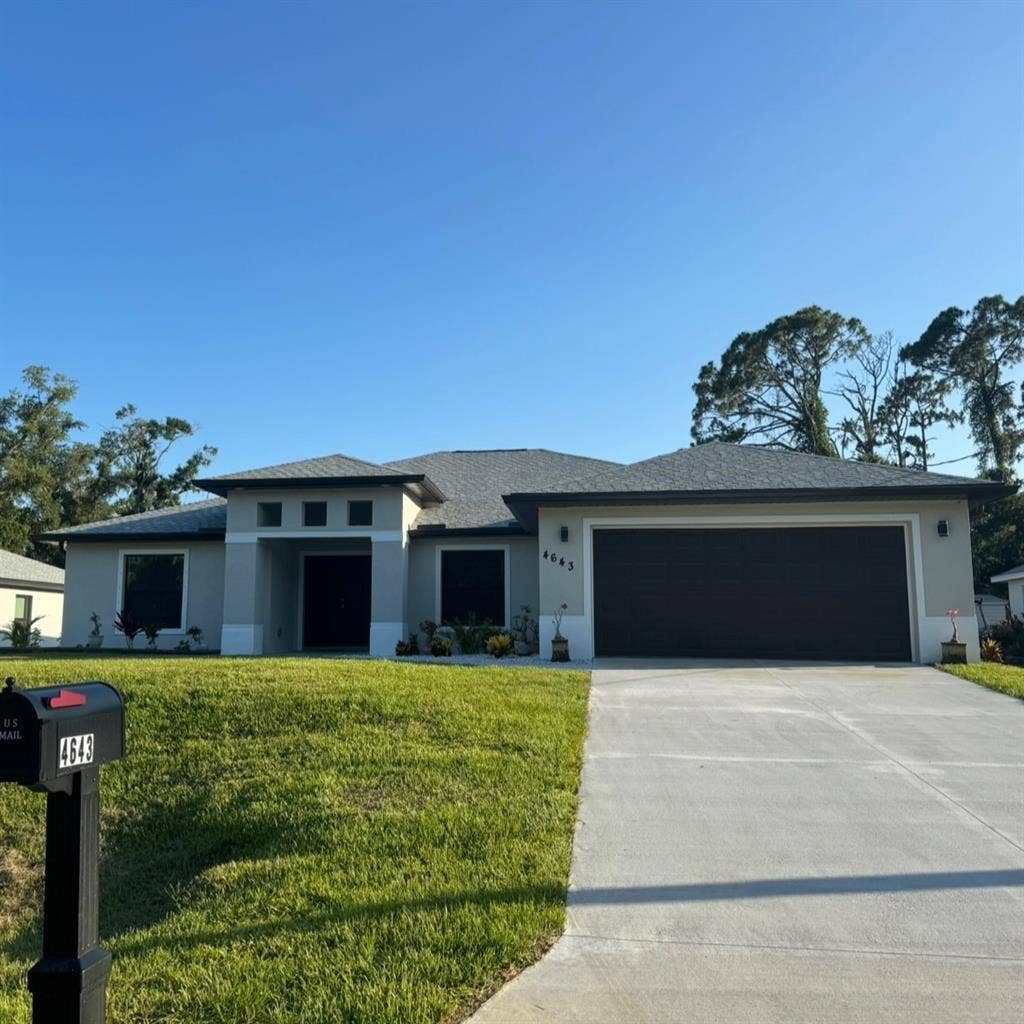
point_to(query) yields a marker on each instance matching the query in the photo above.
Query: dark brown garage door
(801, 592)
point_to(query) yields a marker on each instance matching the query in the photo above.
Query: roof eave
(106, 536)
(1008, 577)
(51, 586)
(419, 483)
(524, 506)
(440, 532)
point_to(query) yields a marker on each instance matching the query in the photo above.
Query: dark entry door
(336, 601)
(801, 592)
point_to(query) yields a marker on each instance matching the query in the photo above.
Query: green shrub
(472, 636)
(441, 647)
(499, 645)
(992, 650)
(1009, 634)
(406, 647)
(22, 633)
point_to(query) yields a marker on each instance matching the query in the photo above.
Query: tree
(997, 540)
(864, 389)
(44, 473)
(768, 386)
(973, 351)
(129, 459)
(915, 403)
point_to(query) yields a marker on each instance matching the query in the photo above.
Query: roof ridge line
(241, 473)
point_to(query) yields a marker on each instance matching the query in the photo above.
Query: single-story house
(1014, 580)
(31, 589)
(713, 551)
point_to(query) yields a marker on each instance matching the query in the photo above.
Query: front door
(336, 601)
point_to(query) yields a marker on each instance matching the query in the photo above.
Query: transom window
(23, 608)
(473, 585)
(360, 513)
(153, 589)
(268, 513)
(314, 513)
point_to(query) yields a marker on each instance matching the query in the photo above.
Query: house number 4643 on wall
(557, 559)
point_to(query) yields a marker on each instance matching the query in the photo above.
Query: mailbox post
(54, 739)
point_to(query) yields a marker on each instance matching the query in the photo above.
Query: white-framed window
(23, 608)
(473, 580)
(152, 586)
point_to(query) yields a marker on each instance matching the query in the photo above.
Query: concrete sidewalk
(790, 844)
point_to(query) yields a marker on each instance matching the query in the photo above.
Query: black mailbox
(55, 739)
(49, 734)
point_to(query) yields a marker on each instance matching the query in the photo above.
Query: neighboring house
(29, 589)
(714, 551)
(1014, 580)
(990, 608)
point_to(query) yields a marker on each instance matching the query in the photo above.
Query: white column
(245, 578)
(388, 581)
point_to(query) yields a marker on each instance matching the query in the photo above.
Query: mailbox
(55, 738)
(49, 734)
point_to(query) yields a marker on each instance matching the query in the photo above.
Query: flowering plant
(557, 620)
(953, 613)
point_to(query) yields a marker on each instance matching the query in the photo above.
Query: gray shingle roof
(197, 518)
(474, 481)
(325, 467)
(733, 467)
(330, 470)
(733, 472)
(18, 568)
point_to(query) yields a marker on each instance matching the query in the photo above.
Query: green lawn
(1004, 678)
(307, 840)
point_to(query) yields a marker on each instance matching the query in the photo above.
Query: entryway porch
(313, 595)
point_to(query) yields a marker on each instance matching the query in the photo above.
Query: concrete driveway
(759, 842)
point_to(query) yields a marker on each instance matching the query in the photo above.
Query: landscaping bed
(1008, 679)
(312, 840)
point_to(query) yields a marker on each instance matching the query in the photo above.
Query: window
(360, 513)
(23, 608)
(314, 513)
(473, 584)
(268, 513)
(153, 589)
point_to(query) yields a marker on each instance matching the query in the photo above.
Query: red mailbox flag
(67, 699)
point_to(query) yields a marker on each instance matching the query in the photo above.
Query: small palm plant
(22, 634)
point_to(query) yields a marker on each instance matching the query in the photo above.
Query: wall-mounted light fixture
(943, 527)
(563, 533)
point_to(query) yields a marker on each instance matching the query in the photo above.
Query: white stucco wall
(939, 568)
(1016, 589)
(47, 603)
(388, 506)
(91, 579)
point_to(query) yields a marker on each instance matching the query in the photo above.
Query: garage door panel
(814, 592)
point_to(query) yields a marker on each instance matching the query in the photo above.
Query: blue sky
(388, 229)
